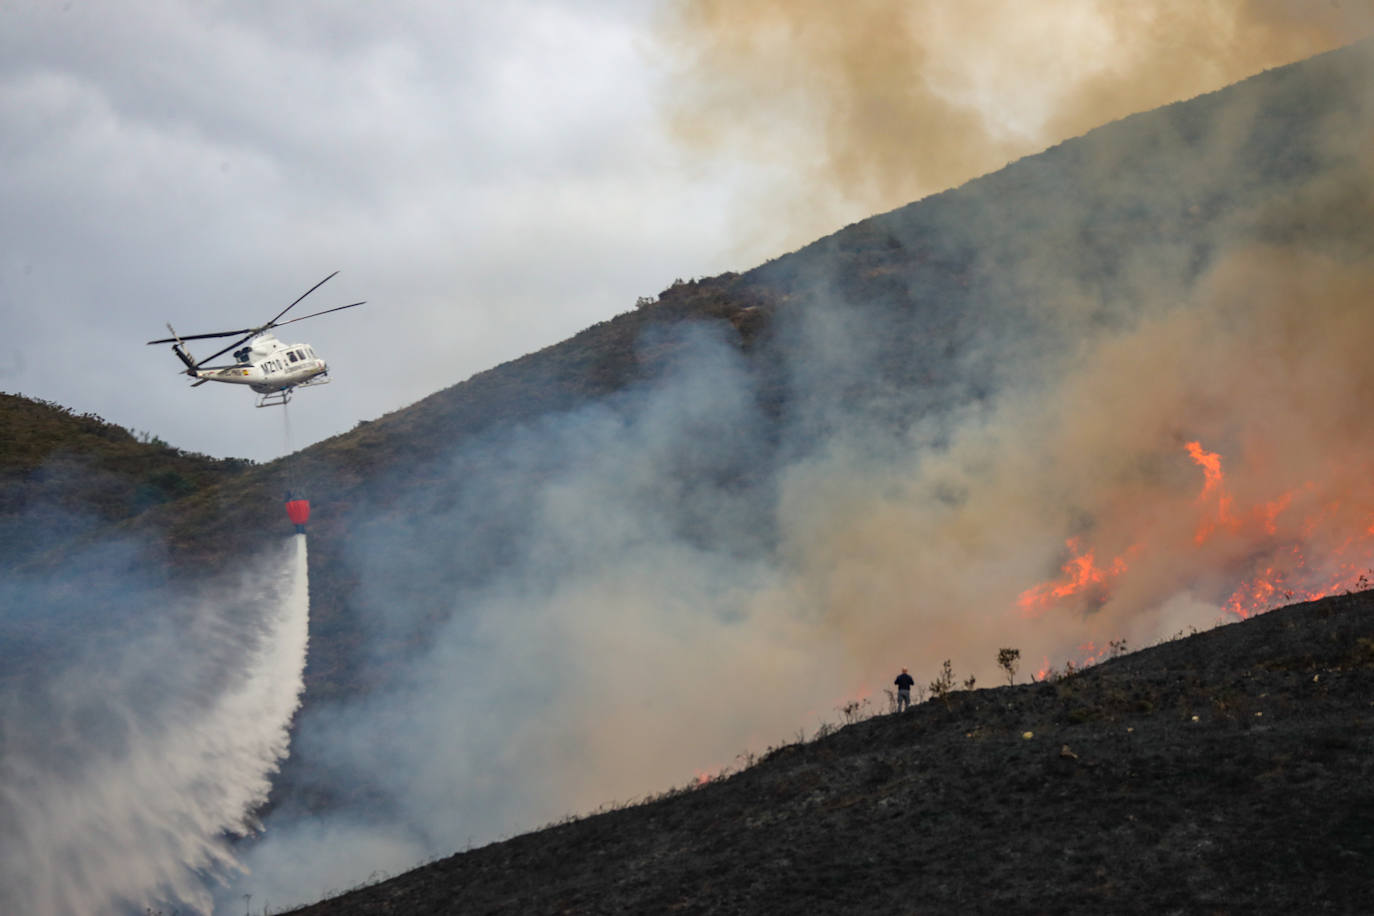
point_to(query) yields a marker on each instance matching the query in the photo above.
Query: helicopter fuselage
(267, 365)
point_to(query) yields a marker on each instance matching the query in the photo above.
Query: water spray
(134, 815)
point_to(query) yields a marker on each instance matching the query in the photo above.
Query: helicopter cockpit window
(291, 355)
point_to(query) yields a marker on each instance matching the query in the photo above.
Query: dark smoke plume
(852, 108)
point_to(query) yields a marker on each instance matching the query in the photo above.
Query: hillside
(848, 418)
(1107, 393)
(65, 477)
(1226, 772)
(877, 329)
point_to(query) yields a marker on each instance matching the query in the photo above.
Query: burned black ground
(1231, 771)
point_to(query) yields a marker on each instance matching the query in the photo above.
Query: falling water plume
(123, 769)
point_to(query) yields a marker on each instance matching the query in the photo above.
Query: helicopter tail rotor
(179, 348)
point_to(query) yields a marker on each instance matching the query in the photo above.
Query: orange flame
(1270, 567)
(1080, 573)
(1213, 485)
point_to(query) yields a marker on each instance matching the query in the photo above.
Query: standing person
(903, 682)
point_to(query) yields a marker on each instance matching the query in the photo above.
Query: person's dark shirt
(904, 681)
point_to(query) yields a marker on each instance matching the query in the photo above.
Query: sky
(492, 178)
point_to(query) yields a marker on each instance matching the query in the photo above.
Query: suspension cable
(286, 454)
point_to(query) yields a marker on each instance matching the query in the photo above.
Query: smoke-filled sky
(493, 178)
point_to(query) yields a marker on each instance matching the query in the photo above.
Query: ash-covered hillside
(1226, 772)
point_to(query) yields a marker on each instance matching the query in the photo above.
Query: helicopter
(271, 368)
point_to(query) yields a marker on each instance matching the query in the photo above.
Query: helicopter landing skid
(276, 398)
(283, 397)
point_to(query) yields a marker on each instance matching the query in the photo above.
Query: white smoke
(124, 763)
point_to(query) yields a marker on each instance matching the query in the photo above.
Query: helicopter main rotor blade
(250, 333)
(273, 322)
(325, 312)
(249, 336)
(179, 338)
